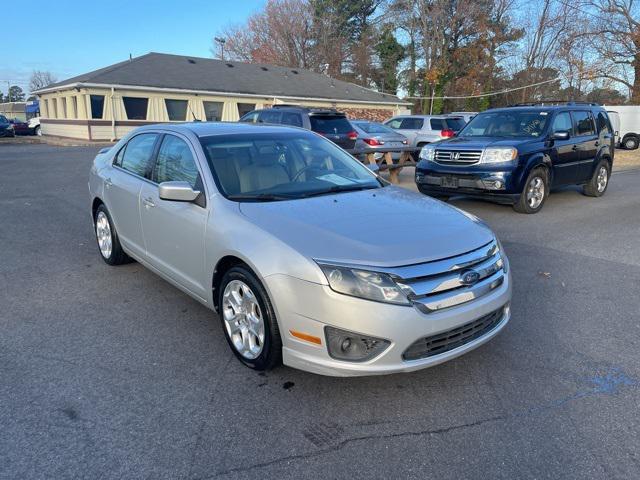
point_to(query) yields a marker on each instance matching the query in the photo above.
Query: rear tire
(108, 242)
(246, 312)
(631, 143)
(535, 192)
(599, 181)
(37, 132)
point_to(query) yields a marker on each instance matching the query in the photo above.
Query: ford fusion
(309, 258)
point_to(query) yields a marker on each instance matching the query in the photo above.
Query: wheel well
(94, 206)
(422, 144)
(223, 265)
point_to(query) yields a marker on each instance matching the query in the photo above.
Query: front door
(566, 153)
(122, 189)
(174, 232)
(587, 136)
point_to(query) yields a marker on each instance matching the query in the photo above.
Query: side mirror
(177, 192)
(560, 135)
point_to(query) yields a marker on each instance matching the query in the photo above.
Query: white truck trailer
(625, 120)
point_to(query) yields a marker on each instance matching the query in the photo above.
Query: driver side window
(562, 123)
(175, 162)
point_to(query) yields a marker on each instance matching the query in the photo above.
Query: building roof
(177, 72)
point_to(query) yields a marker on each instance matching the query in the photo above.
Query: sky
(70, 37)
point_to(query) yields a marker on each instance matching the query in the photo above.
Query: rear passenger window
(137, 154)
(268, 116)
(583, 123)
(175, 162)
(603, 123)
(293, 119)
(395, 123)
(562, 123)
(436, 124)
(411, 124)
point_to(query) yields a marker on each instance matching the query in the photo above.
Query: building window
(213, 111)
(244, 108)
(176, 109)
(136, 107)
(97, 106)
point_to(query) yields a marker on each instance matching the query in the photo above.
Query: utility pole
(221, 41)
(9, 90)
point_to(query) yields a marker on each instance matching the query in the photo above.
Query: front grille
(446, 341)
(457, 157)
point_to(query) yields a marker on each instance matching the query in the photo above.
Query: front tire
(248, 320)
(108, 242)
(599, 181)
(535, 192)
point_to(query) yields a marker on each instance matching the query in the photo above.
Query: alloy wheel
(535, 192)
(103, 233)
(602, 179)
(243, 319)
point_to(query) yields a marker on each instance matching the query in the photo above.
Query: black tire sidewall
(635, 143)
(593, 183)
(522, 205)
(272, 348)
(116, 249)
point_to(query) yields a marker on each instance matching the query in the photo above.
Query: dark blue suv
(517, 154)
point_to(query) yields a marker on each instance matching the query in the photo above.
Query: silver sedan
(308, 257)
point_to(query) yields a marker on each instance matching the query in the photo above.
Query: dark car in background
(6, 127)
(20, 127)
(372, 135)
(328, 123)
(517, 154)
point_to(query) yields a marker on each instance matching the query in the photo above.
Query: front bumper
(309, 307)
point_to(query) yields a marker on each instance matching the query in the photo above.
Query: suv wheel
(535, 192)
(37, 131)
(107, 237)
(631, 143)
(599, 181)
(248, 320)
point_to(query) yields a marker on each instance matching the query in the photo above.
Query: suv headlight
(376, 286)
(428, 152)
(498, 155)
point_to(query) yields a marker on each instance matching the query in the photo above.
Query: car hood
(484, 142)
(386, 227)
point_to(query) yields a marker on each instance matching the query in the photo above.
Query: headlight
(364, 284)
(499, 155)
(428, 152)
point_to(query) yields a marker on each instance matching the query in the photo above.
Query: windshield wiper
(261, 197)
(339, 189)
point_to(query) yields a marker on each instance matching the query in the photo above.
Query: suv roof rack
(307, 109)
(553, 102)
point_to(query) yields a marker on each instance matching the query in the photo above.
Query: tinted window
(411, 124)
(270, 116)
(176, 109)
(250, 117)
(371, 127)
(175, 162)
(213, 111)
(437, 124)
(137, 154)
(583, 123)
(395, 123)
(3, 119)
(455, 124)
(244, 108)
(290, 118)
(562, 123)
(330, 124)
(603, 123)
(97, 106)
(507, 124)
(135, 107)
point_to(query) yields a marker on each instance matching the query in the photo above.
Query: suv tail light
(352, 135)
(447, 133)
(373, 142)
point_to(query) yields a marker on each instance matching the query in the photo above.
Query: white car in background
(423, 129)
(34, 126)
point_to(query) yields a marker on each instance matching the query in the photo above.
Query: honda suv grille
(457, 157)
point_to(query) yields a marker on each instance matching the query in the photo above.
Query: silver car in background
(423, 129)
(308, 257)
(377, 136)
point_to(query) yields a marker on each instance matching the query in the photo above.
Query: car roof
(309, 110)
(546, 108)
(427, 117)
(206, 129)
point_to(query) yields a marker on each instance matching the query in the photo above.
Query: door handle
(574, 148)
(108, 182)
(597, 143)
(148, 202)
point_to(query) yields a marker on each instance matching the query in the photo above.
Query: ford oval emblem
(470, 277)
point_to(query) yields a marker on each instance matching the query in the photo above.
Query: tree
(15, 94)
(390, 53)
(40, 79)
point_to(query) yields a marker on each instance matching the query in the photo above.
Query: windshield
(370, 127)
(283, 166)
(3, 119)
(455, 123)
(506, 124)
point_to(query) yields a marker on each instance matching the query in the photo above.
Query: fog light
(353, 347)
(493, 184)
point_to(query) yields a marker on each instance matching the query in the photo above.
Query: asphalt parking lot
(113, 373)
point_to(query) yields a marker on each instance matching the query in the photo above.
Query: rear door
(410, 127)
(336, 128)
(122, 187)
(566, 155)
(588, 142)
(174, 231)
